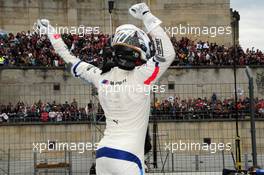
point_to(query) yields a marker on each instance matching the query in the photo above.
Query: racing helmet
(132, 46)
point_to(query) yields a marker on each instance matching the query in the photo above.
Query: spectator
(44, 116)
(59, 115)
(260, 107)
(2, 60)
(52, 115)
(74, 103)
(3, 117)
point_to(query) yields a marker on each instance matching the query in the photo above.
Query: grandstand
(29, 49)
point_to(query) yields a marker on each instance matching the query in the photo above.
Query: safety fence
(164, 116)
(178, 146)
(75, 103)
(192, 129)
(83, 94)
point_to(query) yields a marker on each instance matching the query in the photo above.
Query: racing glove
(60, 47)
(141, 11)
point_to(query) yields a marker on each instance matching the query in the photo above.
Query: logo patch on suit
(105, 81)
(116, 121)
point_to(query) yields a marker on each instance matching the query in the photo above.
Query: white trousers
(109, 166)
(111, 161)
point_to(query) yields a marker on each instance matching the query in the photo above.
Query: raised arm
(165, 53)
(79, 69)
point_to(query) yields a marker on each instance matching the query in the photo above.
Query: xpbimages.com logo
(117, 87)
(192, 146)
(211, 31)
(80, 147)
(80, 30)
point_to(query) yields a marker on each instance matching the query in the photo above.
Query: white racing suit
(121, 150)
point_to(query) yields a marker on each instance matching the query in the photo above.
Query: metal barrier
(46, 164)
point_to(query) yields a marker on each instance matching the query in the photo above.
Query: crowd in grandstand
(29, 49)
(205, 108)
(171, 108)
(191, 53)
(45, 112)
(40, 111)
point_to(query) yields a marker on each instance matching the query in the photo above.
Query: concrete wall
(21, 137)
(34, 84)
(19, 15)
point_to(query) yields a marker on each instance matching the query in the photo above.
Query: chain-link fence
(29, 149)
(31, 103)
(192, 129)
